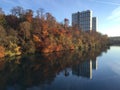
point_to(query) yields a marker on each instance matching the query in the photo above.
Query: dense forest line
(23, 32)
(114, 41)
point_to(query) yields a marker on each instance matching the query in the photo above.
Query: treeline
(21, 32)
(114, 41)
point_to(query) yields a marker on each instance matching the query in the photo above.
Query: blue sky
(107, 11)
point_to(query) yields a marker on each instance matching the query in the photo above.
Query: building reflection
(84, 69)
(94, 64)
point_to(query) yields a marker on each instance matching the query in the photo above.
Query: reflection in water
(95, 64)
(40, 70)
(85, 68)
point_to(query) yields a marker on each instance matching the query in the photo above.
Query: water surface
(97, 69)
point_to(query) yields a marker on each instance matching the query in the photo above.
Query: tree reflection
(25, 72)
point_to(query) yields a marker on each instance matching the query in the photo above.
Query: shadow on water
(21, 73)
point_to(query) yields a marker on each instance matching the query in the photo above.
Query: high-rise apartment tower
(84, 20)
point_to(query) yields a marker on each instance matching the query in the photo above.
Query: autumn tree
(2, 52)
(29, 15)
(2, 34)
(26, 40)
(40, 13)
(25, 30)
(12, 21)
(17, 11)
(2, 18)
(50, 19)
(28, 47)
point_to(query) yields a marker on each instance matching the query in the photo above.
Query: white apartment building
(84, 20)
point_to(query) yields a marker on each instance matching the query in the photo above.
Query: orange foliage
(29, 18)
(71, 47)
(38, 42)
(29, 15)
(2, 52)
(48, 47)
(59, 48)
(36, 38)
(45, 50)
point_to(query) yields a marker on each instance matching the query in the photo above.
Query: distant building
(66, 22)
(94, 24)
(84, 20)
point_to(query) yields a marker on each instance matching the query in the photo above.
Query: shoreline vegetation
(114, 41)
(21, 32)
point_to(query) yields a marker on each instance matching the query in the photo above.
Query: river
(97, 69)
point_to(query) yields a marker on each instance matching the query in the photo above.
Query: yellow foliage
(14, 49)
